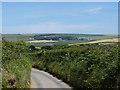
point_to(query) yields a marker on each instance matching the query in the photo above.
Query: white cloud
(93, 10)
(49, 27)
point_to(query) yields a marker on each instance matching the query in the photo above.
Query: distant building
(31, 38)
(60, 39)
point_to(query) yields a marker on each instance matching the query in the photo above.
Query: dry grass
(107, 40)
(100, 41)
(40, 41)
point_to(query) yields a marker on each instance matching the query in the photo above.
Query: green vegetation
(82, 37)
(82, 66)
(0, 61)
(62, 39)
(17, 37)
(16, 68)
(90, 66)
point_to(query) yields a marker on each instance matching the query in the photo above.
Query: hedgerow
(16, 66)
(82, 66)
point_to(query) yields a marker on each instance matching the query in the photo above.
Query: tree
(32, 48)
(47, 47)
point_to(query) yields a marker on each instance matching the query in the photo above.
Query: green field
(17, 37)
(63, 39)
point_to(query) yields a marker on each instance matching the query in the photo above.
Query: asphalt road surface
(41, 79)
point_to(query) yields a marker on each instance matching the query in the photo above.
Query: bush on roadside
(82, 66)
(16, 66)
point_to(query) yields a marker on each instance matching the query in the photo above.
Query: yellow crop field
(40, 41)
(99, 41)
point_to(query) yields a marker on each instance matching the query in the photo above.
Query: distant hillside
(60, 39)
(107, 41)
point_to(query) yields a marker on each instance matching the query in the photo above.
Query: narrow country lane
(41, 79)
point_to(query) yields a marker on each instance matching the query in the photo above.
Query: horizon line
(62, 33)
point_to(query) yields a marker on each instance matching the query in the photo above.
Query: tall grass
(16, 67)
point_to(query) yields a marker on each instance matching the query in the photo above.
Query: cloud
(93, 10)
(49, 27)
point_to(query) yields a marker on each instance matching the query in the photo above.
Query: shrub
(82, 66)
(16, 68)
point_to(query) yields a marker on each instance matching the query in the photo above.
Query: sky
(60, 17)
(60, 0)
(0, 12)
